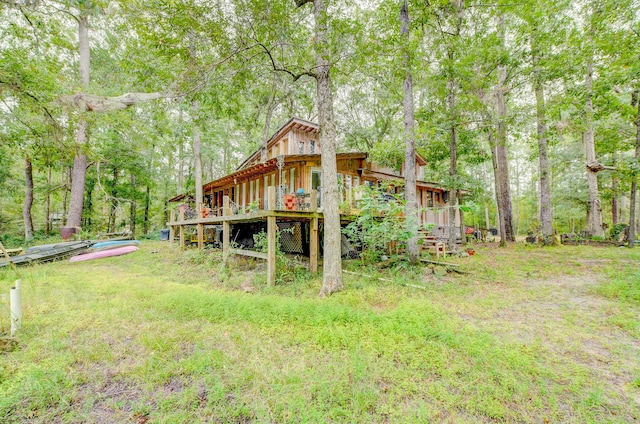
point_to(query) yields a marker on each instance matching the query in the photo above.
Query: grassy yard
(539, 335)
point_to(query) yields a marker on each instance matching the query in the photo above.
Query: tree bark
(498, 188)
(634, 179)
(78, 176)
(544, 170)
(28, 198)
(462, 227)
(197, 156)
(47, 203)
(147, 201)
(74, 218)
(195, 122)
(506, 210)
(65, 194)
(594, 223)
(88, 203)
(411, 206)
(332, 265)
(614, 200)
(114, 204)
(132, 207)
(94, 103)
(453, 165)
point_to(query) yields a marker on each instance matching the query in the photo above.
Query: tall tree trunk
(411, 207)
(332, 265)
(195, 123)
(634, 180)
(501, 146)
(88, 203)
(180, 166)
(453, 165)
(498, 187)
(487, 223)
(544, 170)
(65, 194)
(74, 218)
(132, 207)
(462, 227)
(197, 156)
(47, 203)
(267, 119)
(114, 202)
(614, 200)
(227, 154)
(147, 201)
(28, 198)
(594, 224)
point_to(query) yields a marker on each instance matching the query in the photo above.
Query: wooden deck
(269, 215)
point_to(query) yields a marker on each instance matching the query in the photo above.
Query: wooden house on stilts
(281, 184)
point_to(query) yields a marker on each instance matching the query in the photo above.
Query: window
(312, 146)
(301, 147)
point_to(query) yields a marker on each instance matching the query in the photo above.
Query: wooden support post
(313, 201)
(200, 228)
(172, 228)
(226, 228)
(181, 228)
(271, 238)
(271, 249)
(200, 236)
(313, 245)
(271, 197)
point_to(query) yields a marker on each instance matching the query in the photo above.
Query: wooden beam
(271, 249)
(271, 196)
(226, 229)
(313, 201)
(250, 253)
(200, 236)
(172, 229)
(313, 246)
(200, 228)
(181, 228)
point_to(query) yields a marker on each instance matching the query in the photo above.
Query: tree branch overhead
(94, 103)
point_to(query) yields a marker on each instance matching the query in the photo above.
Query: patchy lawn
(525, 335)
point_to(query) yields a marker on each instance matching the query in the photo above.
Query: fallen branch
(448, 266)
(382, 279)
(429, 261)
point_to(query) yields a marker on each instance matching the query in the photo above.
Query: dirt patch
(568, 321)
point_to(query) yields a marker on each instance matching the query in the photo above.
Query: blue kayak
(114, 244)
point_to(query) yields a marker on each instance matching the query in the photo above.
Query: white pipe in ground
(15, 303)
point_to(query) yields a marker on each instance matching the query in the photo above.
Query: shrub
(380, 224)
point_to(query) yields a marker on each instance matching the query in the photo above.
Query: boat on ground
(106, 245)
(104, 253)
(48, 252)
